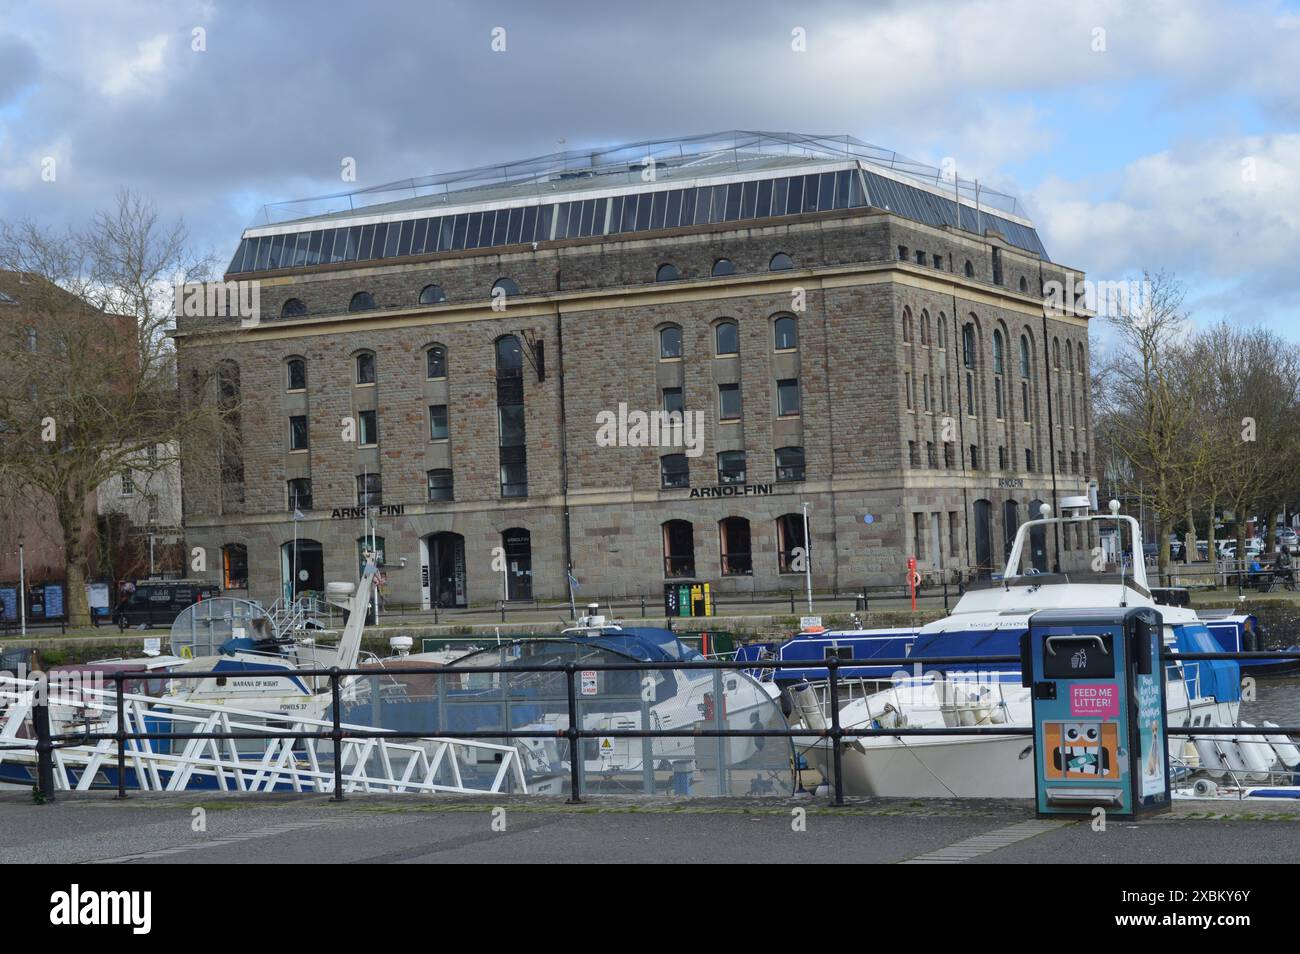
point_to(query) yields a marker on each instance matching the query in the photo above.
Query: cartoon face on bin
(1081, 751)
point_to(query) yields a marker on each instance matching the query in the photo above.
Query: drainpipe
(1051, 428)
(564, 452)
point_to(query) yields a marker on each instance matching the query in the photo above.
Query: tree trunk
(1269, 534)
(1162, 549)
(1189, 541)
(72, 520)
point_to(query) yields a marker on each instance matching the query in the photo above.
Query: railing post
(336, 733)
(643, 606)
(837, 733)
(945, 592)
(121, 736)
(574, 735)
(44, 746)
(502, 605)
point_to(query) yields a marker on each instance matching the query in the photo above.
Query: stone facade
(589, 313)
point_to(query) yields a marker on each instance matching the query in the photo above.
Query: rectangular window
(920, 257)
(913, 454)
(438, 430)
(789, 463)
(948, 457)
(1024, 401)
(931, 458)
(298, 432)
(440, 486)
(300, 494)
(1029, 460)
(938, 261)
(511, 422)
(731, 467)
(997, 397)
(728, 402)
(954, 531)
(974, 457)
(674, 471)
(792, 547)
(367, 429)
(672, 401)
(902, 253)
(925, 391)
(907, 388)
(787, 397)
(128, 484)
(370, 490)
(1002, 457)
(918, 536)
(514, 479)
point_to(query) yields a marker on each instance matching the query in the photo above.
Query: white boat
(1198, 693)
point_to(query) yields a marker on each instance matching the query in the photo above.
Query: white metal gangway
(370, 765)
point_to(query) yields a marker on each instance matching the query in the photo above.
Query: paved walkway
(162, 829)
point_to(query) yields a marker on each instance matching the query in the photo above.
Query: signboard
(1099, 699)
(732, 490)
(588, 682)
(810, 624)
(153, 646)
(357, 513)
(8, 602)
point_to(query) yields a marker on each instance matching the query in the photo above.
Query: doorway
(983, 531)
(518, 544)
(442, 570)
(302, 568)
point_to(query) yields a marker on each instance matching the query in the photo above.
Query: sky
(1139, 135)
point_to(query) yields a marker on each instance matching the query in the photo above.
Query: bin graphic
(1098, 695)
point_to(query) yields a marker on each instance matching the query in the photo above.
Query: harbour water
(1277, 699)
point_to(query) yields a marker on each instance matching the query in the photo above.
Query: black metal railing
(573, 733)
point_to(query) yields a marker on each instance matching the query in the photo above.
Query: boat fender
(1256, 752)
(1204, 788)
(806, 705)
(1212, 760)
(1288, 753)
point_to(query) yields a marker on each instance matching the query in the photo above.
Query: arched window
(234, 566)
(999, 396)
(432, 295)
(907, 326)
(1024, 286)
(792, 547)
(723, 266)
(362, 301)
(726, 337)
(1078, 365)
(1056, 353)
(1024, 356)
(296, 370)
(925, 328)
(997, 351)
(366, 368)
(670, 343)
(968, 345)
(509, 356)
(435, 362)
(504, 286)
(970, 270)
(679, 548)
(780, 262)
(293, 308)
(1069, 356)
(667, 273)
(734, 544)
(786, 330)
(942, 325)
(511, 430)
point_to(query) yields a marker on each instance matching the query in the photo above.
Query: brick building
(467, 365)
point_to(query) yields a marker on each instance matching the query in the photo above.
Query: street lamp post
(22, 585)
(807, 558)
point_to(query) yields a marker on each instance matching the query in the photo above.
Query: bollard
(44, 751)
(502, 605)
(120, 736)
(575, 747)
(336, 734)
(643, 606)
(837, 733)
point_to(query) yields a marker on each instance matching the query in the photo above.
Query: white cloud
(119, 76)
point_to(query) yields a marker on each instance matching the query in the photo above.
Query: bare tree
(90, 374)
(1142, 407)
